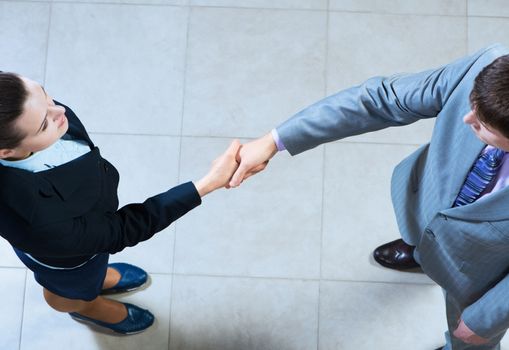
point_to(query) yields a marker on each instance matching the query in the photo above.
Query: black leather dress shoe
(442, 348)
(396, 255)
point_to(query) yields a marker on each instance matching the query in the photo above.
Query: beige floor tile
(248, 69)
(366, 316)
(495, 8)
(211, 313)
(483, 32)
(120, 67)
(24, 39)
(12, 307)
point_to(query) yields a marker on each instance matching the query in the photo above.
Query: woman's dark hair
(490, 95)
(13, 95)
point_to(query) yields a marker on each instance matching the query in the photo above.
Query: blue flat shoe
(131, 278)
(137, 321)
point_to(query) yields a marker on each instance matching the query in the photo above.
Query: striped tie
(483, 171)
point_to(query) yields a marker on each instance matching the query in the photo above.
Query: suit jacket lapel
(492, 208)
(76, 129)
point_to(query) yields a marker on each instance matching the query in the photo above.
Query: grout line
(405, 14)
(319, 307)
(321, 244)
(140, 3)
(342, 141)
(23, 309)
(324, 149)
(77, 2)
(259, 8)
(184, 82)
(467, 19)
(489, 17)
(13, 267)
(326, 58)
(295, 279)
(162, 4)
(47, 42)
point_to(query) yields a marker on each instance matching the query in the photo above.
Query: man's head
(489, 99)
(29, 119)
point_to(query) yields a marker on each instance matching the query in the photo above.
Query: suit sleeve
(110, 232)
(489, 315)
(378, 103)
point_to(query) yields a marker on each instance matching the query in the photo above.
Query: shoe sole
(106, 329)
(417, 268)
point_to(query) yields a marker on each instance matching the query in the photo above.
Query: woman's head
(29, 119)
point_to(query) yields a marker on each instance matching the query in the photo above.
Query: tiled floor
(282, 263)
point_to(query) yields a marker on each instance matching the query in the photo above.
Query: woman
(59, 207)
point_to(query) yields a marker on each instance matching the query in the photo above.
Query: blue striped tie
(483, 171)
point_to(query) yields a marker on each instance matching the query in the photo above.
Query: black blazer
(63, 216)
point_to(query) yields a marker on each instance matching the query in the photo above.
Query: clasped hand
(237, 163)
(466, 335)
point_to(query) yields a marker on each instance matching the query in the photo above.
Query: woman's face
(486, 134)
(42, 122)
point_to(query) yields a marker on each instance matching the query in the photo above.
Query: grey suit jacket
(464, 249)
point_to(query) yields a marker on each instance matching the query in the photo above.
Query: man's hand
(253, 157)
(221, 171)
(464, 333)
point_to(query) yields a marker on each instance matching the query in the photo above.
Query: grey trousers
(453, 316)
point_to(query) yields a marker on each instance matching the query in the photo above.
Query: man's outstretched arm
(378, 103)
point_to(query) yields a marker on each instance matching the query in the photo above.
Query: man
(449, 196)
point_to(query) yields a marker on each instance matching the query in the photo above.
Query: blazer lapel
(495, 207)
(76, 129)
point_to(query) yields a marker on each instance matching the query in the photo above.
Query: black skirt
(84, 282)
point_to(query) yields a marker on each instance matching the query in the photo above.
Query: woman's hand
(221, 171)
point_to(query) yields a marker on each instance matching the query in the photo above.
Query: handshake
(237, 163)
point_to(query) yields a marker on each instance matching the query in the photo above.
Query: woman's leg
(101, 309)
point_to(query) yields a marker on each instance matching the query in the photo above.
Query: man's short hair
(490, 96)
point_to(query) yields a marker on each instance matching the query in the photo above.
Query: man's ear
(6, 153)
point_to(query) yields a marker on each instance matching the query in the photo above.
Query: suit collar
(76, 129)
(494, 207)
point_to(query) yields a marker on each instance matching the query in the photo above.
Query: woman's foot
(122, 277)
(112, 278)
(117, 317)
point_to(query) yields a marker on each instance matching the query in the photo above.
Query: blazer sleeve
(96, 231)
(489, 315)
(378, 103)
